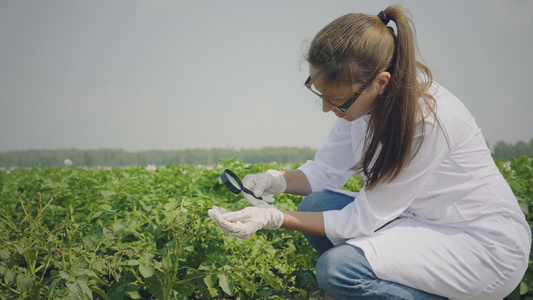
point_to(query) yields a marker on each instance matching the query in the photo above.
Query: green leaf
(25, 282)
(52, 287)
(210, 280)
(64, 275)
(523, 288)
(225, 281)
(100, 292)
(116, 289)
(167, 261)
(105, 207)
(524, 207)
(148, 256)
(245, 282)
(131, 262)
(133, 294)
(117, 226)
(210, 283)
(4, 253)
(20, 250)
(132, 290)
(87, 272)
(84, 288)
(155, 286)
(9, 276)
(90, 274)
(107, 194)
(146, 270)
(189, 248)
(171, 205)
(273, 283)
(74, 291)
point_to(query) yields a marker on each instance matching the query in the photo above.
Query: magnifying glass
(234, 183)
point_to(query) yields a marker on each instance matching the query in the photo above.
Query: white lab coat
(459, 231)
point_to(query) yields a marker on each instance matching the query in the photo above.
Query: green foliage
(131, 233)
(74, 233)
(519, 174)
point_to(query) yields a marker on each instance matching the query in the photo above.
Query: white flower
(151, 168)
(507, 166)
(67, 162)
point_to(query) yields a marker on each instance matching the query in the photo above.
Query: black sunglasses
(342, 108)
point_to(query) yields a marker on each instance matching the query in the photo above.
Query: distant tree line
(120, 158)
(507, 151)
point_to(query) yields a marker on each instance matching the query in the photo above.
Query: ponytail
(354, 49)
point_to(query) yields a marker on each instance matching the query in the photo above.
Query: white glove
(243, 223)
(264, 185)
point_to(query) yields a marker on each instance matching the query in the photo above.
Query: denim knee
(323, 273)
(324, 200)
(345, 273)
(341, 264)
(312, 203)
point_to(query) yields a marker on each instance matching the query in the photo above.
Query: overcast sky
(160, 74)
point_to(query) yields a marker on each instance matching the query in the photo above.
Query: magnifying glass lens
(234, 184)
(231, 181)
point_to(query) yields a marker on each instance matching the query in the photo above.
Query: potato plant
(144, 233)
(140, 233)
(519, 174)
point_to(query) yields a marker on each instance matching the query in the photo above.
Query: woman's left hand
(243, 223)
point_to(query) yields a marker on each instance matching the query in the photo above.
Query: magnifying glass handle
(251, 193)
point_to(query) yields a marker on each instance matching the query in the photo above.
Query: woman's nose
(326, 107)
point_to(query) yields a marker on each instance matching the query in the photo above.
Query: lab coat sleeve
(385, 202)
(333, 163)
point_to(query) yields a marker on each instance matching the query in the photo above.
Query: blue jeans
(343, 270)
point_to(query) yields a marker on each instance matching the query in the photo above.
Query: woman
(435, 218)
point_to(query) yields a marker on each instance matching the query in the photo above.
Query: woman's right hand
(264, 185)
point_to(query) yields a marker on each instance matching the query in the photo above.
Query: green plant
(135, 233)
(518, 172)
(132, 233)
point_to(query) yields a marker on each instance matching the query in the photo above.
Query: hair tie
(383, 17)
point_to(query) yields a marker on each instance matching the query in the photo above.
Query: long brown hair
(355, 48)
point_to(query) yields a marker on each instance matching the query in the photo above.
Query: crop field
(144, 233)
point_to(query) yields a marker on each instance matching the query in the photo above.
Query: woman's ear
(382, 80)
